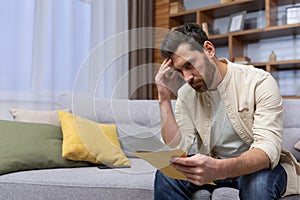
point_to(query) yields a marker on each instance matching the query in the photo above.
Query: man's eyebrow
(187, 63)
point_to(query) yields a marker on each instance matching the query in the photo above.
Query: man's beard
(211, 75)
(200, 86)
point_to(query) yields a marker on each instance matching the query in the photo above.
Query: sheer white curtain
(109, 58)
(45, 43)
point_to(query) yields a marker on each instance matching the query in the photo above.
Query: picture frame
(293, 15)
(237, 21)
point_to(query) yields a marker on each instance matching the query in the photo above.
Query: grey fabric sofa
(132, 118)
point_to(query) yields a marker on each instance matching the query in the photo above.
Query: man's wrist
(163, 97)
(163, 101)
(222, 169)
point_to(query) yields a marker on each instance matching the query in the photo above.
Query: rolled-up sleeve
(267, 125)
(185, 124)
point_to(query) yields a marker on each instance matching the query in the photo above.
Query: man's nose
(187, 76)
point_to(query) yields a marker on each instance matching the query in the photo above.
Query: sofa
(134, 119)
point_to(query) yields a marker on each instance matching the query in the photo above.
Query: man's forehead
(183, 50)
(182, 54)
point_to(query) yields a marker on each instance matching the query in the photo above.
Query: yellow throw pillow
(85, 140)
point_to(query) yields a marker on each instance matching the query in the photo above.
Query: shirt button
(208, 105)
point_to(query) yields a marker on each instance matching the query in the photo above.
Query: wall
(191, 4)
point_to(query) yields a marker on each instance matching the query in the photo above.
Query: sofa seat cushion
(233, 194)
(81, 183)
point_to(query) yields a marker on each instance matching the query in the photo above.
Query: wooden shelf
(287, 2)
(220, 39)
(226, 9)
(280, 65)
(269, 32)
(254, 35)
(181, 14)
(291, 97)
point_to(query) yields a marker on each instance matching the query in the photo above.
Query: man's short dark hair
(190, 33)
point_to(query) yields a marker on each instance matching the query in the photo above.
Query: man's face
(196, 68)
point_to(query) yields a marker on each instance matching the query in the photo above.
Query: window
(43, 44)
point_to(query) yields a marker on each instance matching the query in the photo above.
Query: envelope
(161, 161)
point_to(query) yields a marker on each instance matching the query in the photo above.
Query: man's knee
(265, 184)
(168, 188)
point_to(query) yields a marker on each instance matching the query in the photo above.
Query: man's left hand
(199, 169)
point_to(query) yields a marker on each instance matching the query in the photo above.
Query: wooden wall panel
(161, 19)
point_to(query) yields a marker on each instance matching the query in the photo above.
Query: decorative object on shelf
(293, 15)
(242, 60)
(237, 21)
(176, 7)
(207, 28)
(272, 57)
(250, 23)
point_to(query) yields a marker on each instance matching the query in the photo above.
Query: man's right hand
(164, 81)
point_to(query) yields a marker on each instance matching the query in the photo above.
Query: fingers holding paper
(198, 169)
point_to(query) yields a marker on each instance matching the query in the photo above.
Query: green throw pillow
(28, 146)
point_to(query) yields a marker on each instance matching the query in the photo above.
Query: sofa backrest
(291, 124)
(144, 112)
(142, 118)
(141, 112)
(291, 113)
(131, 116)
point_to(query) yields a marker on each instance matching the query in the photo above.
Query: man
(234, 111)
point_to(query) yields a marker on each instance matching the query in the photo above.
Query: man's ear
(209, 47)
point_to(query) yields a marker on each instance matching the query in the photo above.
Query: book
(176, 7)
(207, 28)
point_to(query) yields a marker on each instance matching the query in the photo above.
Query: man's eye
(179, 71)
(188, 66)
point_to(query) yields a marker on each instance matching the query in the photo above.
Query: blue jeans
(262, 185)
